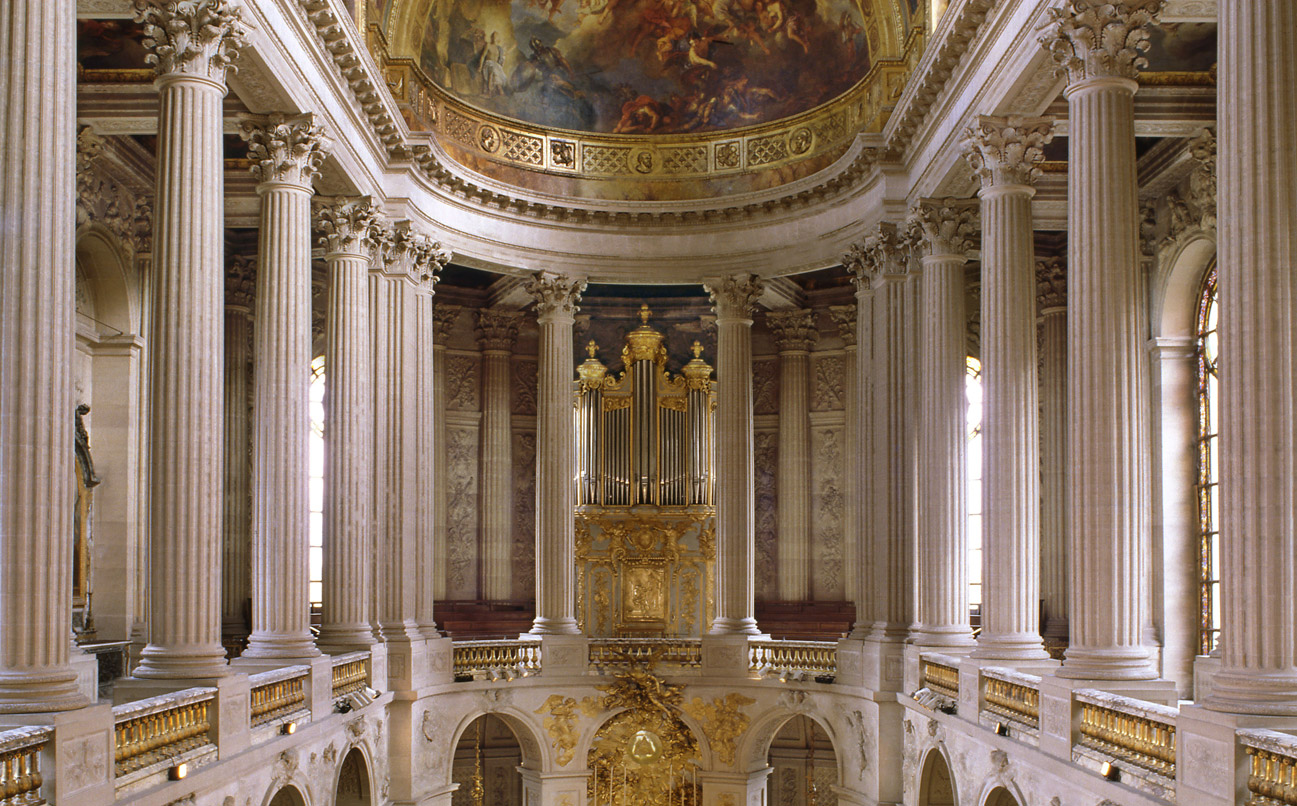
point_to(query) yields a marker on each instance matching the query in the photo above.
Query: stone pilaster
(844, 318)
(946, 228)
(236, 521)
(1098, 45)
(497, 331)
(556, 304)
(1051, 297)
(857, 262)
(1004, 153)
(286, 154)
(1258, 436)
(192, 46)
(795, 333)
(444, 316)
(346, 227)
(37, 409)
(734, 298)
(429, 260)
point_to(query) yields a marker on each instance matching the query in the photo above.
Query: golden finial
(697, 349)
(644, 313)
(591, 348)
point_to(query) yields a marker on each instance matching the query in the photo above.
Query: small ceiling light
(179, 771)
(1109, 770)
(288, 728)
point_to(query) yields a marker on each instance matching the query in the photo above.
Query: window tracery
(1208, 467)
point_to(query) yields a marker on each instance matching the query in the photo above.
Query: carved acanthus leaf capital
(348, 225)
(200, 38)
(883, 253)
(793, 330)
(1007, 150)
(444, 317)
(946, 226)
(1051, 283)
(497, 330)
(734, 296)
(285, 148)
(556, 295)
(1096, 39)
(103, 200)
(240, 284)
(844, 316)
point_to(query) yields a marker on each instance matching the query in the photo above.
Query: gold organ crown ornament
(591, 371)
(644, 343)
(698, 373)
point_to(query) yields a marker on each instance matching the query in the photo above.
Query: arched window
(974, 462)
(1208, 467)
(315, 483)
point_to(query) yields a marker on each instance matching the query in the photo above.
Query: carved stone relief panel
(828, 506)
(524, 513)
(765, 386)
(828, 384)
(766, 458)
(524, 387)
(463, 383)
(461, 513)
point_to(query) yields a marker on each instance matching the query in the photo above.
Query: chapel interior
(648, 402)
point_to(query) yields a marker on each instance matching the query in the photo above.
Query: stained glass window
(973, 387)
(1208, 467)
(315, 482)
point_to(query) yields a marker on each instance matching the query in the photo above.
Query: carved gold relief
(722, 722)
(561, 725)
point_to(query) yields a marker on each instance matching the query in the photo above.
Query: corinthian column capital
(1051, 283)
(793, 330)
(945, 226)
(556, 295)
(285, 148)
(735, 296)
(883, 253)
(498, 330)
(1007, 150)
(844, 317)
(1096, 39)
(444, 316)
(198, 38)
(347, 225)
(240, 282)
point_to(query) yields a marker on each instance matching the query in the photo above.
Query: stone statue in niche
(83, 622)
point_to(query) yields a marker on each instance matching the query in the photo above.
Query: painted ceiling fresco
(646, 66)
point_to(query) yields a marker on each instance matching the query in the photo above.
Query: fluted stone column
(844, 317)
(445, 316)
(1051, 297)
(1098, 45)
(191, 47)
(497, 331)
(236, 521)
(1004, 153)
(286, 154)
(946, 228)
(38, 178)
(734, 298)
(425, 447)
(346, 227)
(857, 262)
(556, 304)
(795, 333)
(1257, 208)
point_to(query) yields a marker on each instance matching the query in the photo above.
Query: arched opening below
(486, 761)
(288, 796)
(936, 785)
(804, 765)
(1001, 797)
(353, 781)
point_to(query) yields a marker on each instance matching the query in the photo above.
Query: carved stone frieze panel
(524, 386)
(463, 383)
(829, 394)
(461, 513)
(524, 514)
(766, 458)
(828, 508)
(765, 386)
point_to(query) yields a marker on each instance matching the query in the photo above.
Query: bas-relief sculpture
(646, 66)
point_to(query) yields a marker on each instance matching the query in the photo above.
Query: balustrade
(160, 729)
(1139, 733)
(350, 674)
(1272, 762)
(495, 659)
(278, 693)
(940, 677)
(784, 658)
(608, 653)
(1013, 696)
(20, 766)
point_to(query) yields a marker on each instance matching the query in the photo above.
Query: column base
(287, 649)
(735, 626)
(339, 639)
(1129, 663)
(181, 663)
(1242, 691)
(49, 691)
(952, 640)
(554, 626)
(1012, 649)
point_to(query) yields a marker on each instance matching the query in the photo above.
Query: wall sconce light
(1109, 770)
(288, 728)
(1001, 729)
(179, 771)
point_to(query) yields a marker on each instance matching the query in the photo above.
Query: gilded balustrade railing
(20, 766)
(1013, 696)
(1272, 773)
(278, 693)
(496, 658)
(350, 673)
(161, 728)
(942, 678)
(608, 653)
(792, 657)
(1140, 733)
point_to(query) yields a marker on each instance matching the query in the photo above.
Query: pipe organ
(645, 516)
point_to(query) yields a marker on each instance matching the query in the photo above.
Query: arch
(104, 262)
(704, 749)
(936, 783)
(1001, 796)
(755, 755)
(287, 795)
(353, 787)
(1186, 262)
(802, 768)
(488, 754)
(536, 753)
